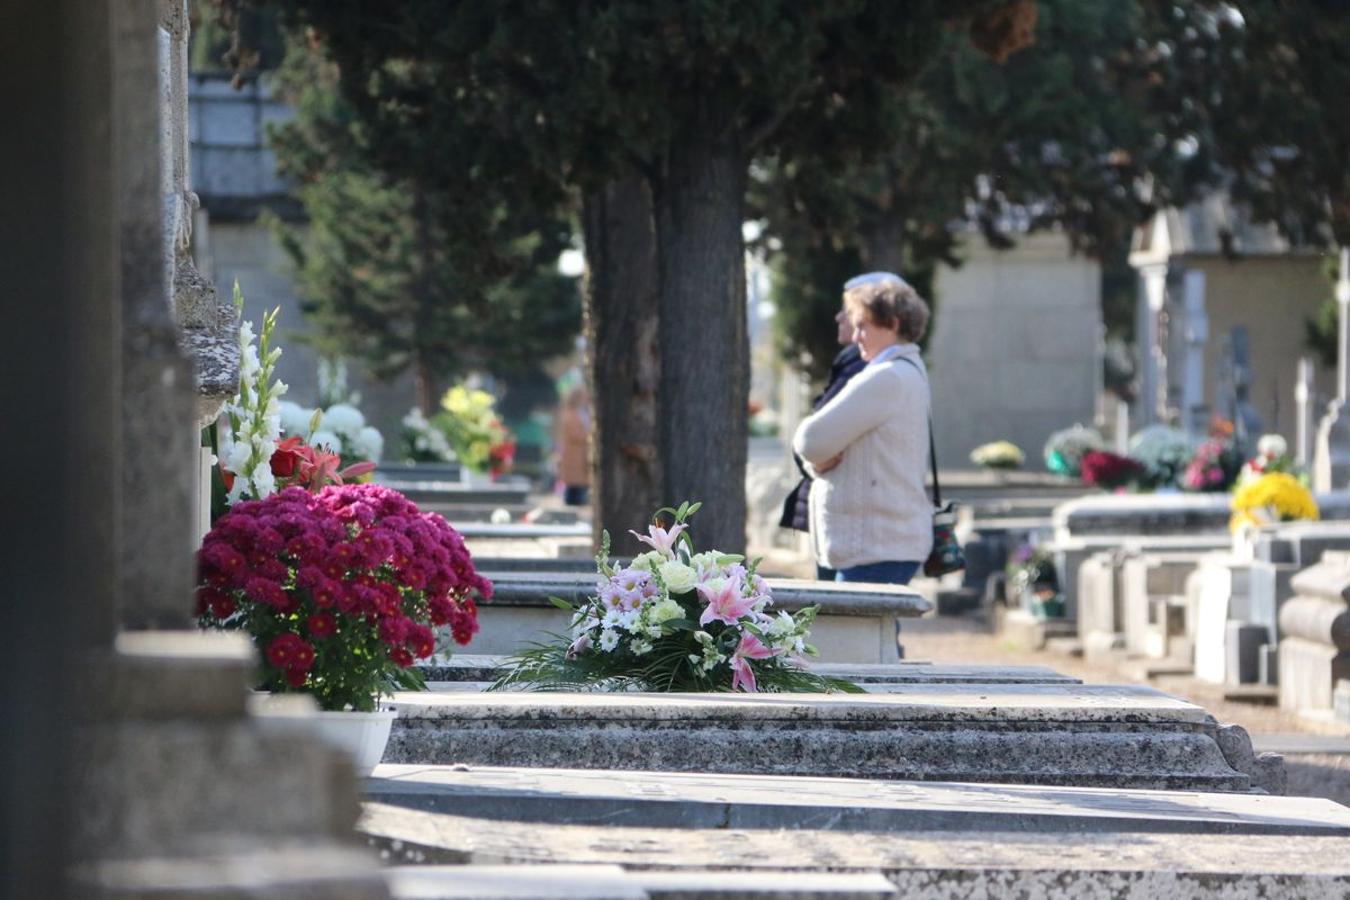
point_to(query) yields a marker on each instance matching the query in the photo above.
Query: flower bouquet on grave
(1272, 455)
(1111, 471)
(675, 620)
(481, 442)
(1217, 461)
(1064, 449)
(339, 590)
(998, 455)
(1270, 498)
(1164, 452)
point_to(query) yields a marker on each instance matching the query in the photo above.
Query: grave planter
(474, 478)
(361, 735)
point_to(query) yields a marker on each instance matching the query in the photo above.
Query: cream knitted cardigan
(872, 507)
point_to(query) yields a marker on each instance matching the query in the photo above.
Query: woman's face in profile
(870, 337)
(845, 326)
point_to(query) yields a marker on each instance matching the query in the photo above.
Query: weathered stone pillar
(1304, 393)
(1332, 465)
(1152, 355)
(1196, 333)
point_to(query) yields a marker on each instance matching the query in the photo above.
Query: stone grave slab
(479, 669)
(601, 882)
(702, 800)
(858, 623)
(943, 865)
(1087, 735)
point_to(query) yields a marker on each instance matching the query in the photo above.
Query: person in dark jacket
(847, 363)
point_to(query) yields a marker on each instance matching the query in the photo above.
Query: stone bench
(858, 623)
(1084, 735)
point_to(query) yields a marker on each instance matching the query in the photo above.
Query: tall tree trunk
(885, 244)
(705, 349)
(624, 365)
(424, 378)
(424, 385)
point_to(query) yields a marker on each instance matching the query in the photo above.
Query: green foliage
(546, 667)
(414, 270)
(1072, 132)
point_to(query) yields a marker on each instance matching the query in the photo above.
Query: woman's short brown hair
(890, 304)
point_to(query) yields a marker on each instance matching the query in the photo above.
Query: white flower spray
(254, 416)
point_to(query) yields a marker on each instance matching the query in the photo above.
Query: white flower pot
(363, 735)
(477, 479)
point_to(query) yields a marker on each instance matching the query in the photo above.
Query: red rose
(286, 458)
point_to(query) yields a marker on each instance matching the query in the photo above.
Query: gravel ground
(955, 639)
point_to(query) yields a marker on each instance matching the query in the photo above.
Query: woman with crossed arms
(867, 448)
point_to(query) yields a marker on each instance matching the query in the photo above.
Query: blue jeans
(889, 572)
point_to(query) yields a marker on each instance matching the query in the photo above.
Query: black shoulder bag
(946, 555)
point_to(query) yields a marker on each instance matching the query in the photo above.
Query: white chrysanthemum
(344, 419)
(641, 647)
(368, 444)
(325, 438)
(666, 610)
(678, 577)
(294, 418)
(1272, 445)
(609, 640)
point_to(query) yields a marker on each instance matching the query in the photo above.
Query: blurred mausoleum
(1016, 345)
(1222, 320)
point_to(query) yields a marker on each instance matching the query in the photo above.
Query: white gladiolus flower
(325, 438)
(344, 419)
(264, 483)
(237, 456)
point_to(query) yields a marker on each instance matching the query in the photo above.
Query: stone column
(1304, 388)
(1196, 333)
(1152, 357)
(1331, 469)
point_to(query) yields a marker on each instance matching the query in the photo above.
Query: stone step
(701, 800)
(1086, 735)
(988, 864)
(603, 882)
(287, 870)
(173, 787)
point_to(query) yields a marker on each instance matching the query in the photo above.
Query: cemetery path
(960, 639)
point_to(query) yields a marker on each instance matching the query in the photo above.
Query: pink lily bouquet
(675, 620)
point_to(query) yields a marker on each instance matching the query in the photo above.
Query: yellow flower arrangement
(998, 455)
(1274, 497)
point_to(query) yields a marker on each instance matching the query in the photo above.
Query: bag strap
(932, 441)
